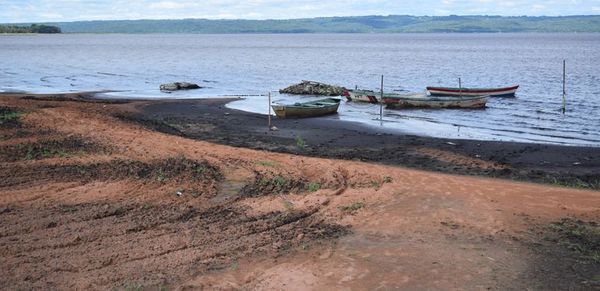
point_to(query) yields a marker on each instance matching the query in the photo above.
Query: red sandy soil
(108, 215)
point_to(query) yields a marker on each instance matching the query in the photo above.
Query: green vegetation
(199, 170)
(313, 186)
(352, 207)
(34, 153)
(160, 176)
(300, 143)
(134, 287)
(289, 206)
(9, 117)
(580, 237)
(355, 24)
(574, 183)
(450, 224)
(34, 28)
(277, 182)
(267, 163)
(235, 266)
(49, 148)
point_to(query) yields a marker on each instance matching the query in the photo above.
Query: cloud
(68, 10)
(168, 5)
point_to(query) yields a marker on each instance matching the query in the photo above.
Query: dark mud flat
(210, 120)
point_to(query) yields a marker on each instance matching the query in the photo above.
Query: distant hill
(34, 28)
(355, 24)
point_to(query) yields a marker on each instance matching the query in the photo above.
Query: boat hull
(425, 101)
(362, 96)
(309, 109)
(493, 92)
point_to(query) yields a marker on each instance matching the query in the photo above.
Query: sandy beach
(188, 194)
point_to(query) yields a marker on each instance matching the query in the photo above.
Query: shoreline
(210, 120)
(413, 124)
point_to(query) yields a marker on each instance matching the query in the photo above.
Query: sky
(15, 11)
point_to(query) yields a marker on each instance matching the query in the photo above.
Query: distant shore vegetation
(350, 24)
(34, 28)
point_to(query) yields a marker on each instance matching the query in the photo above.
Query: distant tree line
(34, 28)
(352, 24)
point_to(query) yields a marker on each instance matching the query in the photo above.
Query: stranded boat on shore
(492, 92)
(307, 109)
(361, 96)
(421, 100)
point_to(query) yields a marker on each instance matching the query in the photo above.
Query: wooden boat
(492, 92)
(362, 96)
(307, 109)
(422, 100)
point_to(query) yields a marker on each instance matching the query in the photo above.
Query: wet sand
(210, 120)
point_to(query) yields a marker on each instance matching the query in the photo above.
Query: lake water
(135, 65)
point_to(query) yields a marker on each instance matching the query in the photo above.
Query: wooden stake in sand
(381, 101)
(269, 110)
(564, 107)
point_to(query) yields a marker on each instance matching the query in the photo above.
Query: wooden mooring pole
(269, 110)
(564, 107)
(381, 101)
(460, 87)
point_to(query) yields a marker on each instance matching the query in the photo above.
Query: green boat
(307, 109)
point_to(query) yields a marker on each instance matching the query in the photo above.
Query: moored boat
(307, 109)
(492, 92)
(362, 96)
(421, 100)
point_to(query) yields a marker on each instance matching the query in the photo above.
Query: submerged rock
(178, 86)
(314, 88)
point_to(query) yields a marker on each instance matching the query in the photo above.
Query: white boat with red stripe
(362, 96)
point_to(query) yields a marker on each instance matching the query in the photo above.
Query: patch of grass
(352, 207)
(387, 179)
(115, 211)
(9, 117)
(574, 183)
(68, 208)
(267, 163)
(199, 170)
(375, 184)
(50, 153)
(313, 186)
(265, 184)
(235, 266)
(300, 143)
(450, 224)
(133, 287)
(50, 148)
(289, 206)
(581, 237)
(160, 176)
(276, 182)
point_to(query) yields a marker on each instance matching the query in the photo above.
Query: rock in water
(313, 88)
(178, 86)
